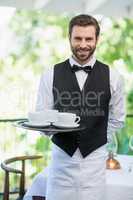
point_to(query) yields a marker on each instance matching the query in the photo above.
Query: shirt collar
(91, 62)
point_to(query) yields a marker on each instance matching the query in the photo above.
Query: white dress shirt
(116, 104)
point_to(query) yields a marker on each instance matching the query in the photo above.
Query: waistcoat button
(78, 138)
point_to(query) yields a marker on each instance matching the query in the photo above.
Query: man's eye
(89, 39)
(78, 39)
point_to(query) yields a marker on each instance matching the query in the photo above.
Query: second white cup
(68, 118)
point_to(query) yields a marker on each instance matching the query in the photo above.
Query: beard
(83, 54)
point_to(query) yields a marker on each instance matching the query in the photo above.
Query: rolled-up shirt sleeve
(117, 111)
(44, 94)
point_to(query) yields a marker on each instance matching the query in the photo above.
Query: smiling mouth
(83, 52)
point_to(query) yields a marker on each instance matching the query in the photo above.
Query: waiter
(92, 90)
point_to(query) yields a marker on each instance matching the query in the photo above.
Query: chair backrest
(5, 166)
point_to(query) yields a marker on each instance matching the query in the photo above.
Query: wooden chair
(5, 166)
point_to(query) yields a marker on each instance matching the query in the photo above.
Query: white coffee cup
(68, 118)
(51, 115)
(44, 116)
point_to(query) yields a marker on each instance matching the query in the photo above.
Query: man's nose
(83, 43)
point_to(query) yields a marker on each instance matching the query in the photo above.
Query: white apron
(71, 177)
(77, 178)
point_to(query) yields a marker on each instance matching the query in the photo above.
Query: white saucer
(59, 125)
(37, 124)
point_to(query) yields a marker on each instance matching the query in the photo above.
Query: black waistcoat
(91, 104)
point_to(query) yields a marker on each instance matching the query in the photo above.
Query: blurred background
(33, 37)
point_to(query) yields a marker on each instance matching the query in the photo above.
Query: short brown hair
(84, 20)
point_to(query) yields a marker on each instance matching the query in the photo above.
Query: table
(120, 182)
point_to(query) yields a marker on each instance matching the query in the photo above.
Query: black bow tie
(76, 68)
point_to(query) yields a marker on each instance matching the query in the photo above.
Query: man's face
(83, 43)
